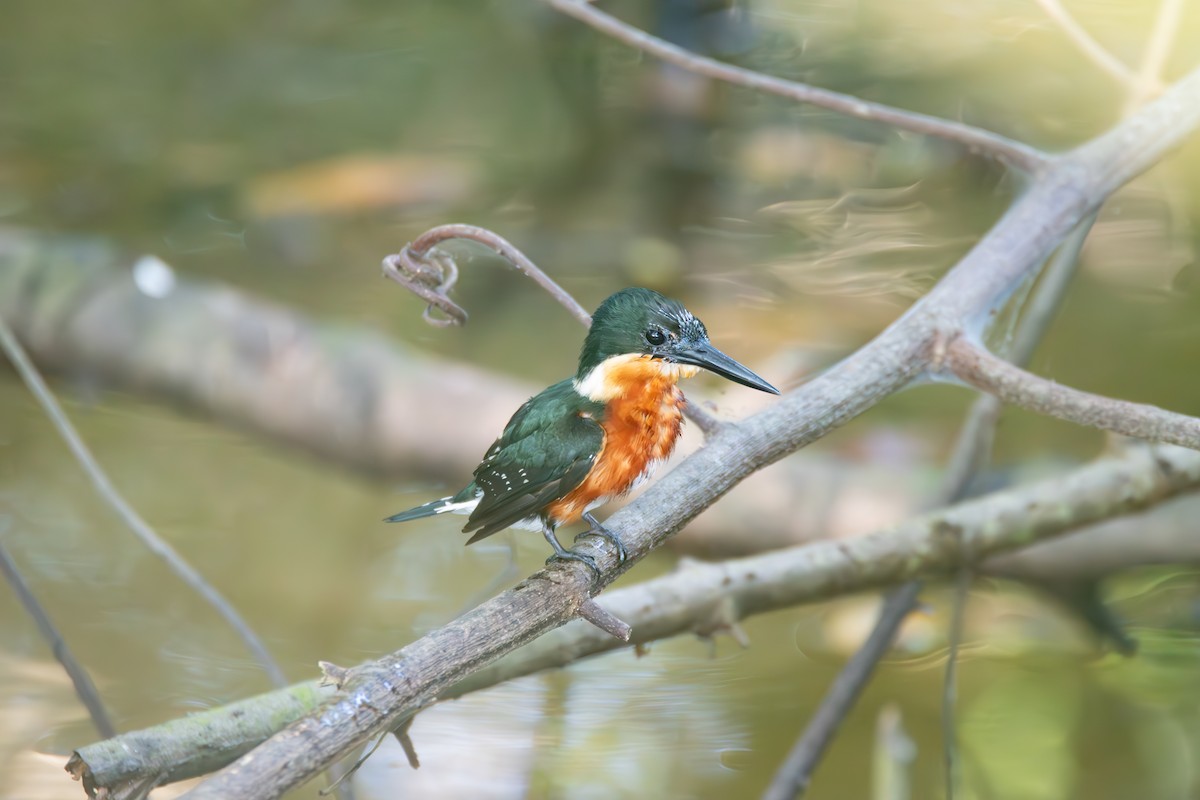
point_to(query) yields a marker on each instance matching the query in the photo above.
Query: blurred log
(347, 395)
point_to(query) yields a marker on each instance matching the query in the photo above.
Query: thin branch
(950, 767)
(683, 601)
(84, 687)
(1148, 81)
(895, 752)
(975, 140)
(1039, 314)
(793, 776)
(980, 429)
(117, 502)
(1097, 53)
(972, 449)
(976, 366)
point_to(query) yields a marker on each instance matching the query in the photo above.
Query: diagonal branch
(1149, 74)
(133, 520)
(693, 596)
(975, 140)
(85, 689)
(975, 365)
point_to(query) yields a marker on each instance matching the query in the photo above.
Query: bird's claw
(571, 555)
(605, 533)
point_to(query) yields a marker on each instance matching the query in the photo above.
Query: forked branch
(385, 692)
(973, 364)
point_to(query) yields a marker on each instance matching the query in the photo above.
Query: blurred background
(271, 153)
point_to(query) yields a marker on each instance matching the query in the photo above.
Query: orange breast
(642, 421)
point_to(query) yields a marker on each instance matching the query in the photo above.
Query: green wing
(546, 450)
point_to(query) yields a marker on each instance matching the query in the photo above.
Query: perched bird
(593, 437)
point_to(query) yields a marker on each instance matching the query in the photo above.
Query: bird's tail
(427, 510)
(454, 504)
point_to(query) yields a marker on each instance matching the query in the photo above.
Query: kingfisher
(595, 436)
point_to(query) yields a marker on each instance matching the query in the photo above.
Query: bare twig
(975, 449)
(410, 268)
(975, 140)
(115, 500)
(1097, 53)
(84, 688)
(976, 366)
(1149, 76)
(595, 613)
(406, 742)
(791, 779)
(950, 766)
(894, 754)
(684, 600)
(1039, 314)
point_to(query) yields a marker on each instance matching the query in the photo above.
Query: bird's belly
(640, 431)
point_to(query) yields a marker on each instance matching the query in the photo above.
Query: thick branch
(192, 745)
(975, 365)
(706, 597)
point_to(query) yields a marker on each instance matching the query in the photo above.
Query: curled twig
(429, 276)
(411, 269)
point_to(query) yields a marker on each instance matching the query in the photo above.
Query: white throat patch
(602, 385)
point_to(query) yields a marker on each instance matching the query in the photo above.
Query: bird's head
(643, 325)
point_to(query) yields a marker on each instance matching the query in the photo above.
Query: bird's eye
(655, 336)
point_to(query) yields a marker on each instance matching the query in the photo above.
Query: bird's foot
(563, 554)
(571, 555)
(604, 533)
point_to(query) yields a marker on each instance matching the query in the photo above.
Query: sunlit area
(195, 201)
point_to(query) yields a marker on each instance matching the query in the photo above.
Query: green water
(183, 130)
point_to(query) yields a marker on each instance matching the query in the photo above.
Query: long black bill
(712, 359)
